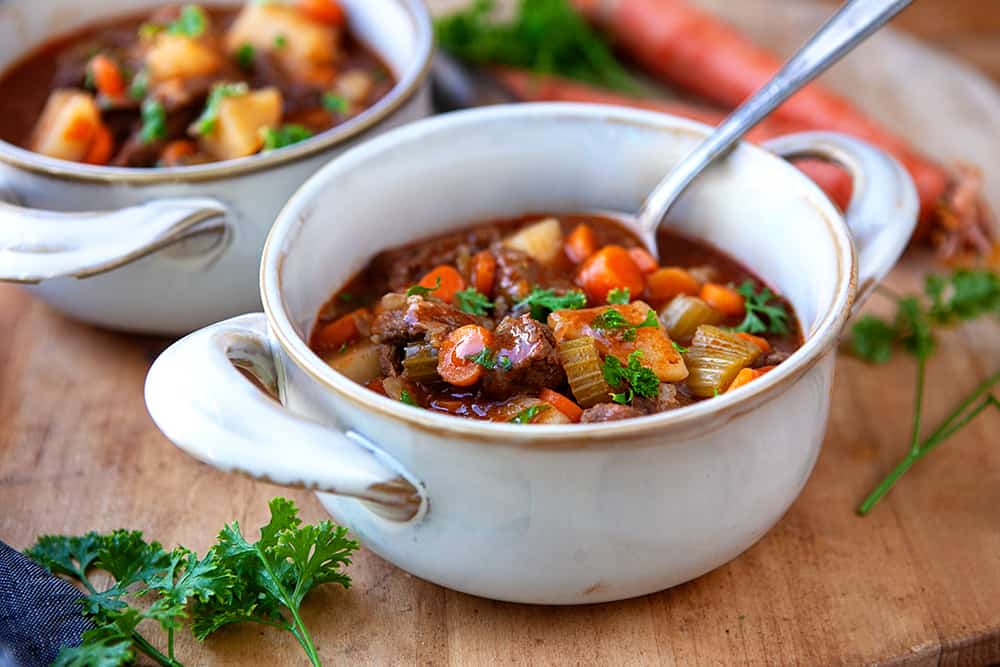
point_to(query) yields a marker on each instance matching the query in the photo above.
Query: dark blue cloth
(39, 613)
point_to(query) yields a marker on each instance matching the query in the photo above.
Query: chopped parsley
(335, 103)
(543, 301)
(765, 315)
(245, 56)
(635, 379)
(140, 85)
(405, 397)
(488, 360)
(148, 31)
(619, 296)
(613, 321)
(286, 135)
(473, 302)
(280, 41)
(191, 23)
(209, 118)
(528, 415)
(680, 348)
(154, 121)
(420, 290)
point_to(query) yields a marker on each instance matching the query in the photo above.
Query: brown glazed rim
(403, 91)
(705, 415)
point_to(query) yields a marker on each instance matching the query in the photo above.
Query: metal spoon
(850, 26)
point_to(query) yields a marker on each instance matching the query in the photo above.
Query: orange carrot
(646, 262)
(748, 375)
(101, 147)
(562, 404)
(609, 268)
(484, 271)
(664, 284)
(334, 335)
(762, 343)
(80, 129)
(455, 363)
(686, 46)
(107, 76)
(724, 299)
(177, 151)
(581, 243)
(451, 283)
(377, 386)
(323, 11)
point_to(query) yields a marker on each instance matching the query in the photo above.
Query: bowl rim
(704, 414)
(405, 89)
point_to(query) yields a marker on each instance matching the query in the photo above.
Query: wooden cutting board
(916, 583)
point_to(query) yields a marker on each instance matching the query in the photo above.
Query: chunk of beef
(774, 357)
(405, 266)
(669, 398)
(527, 358)
(419, 318)
(516, 273)
(608, 412)
(388, 360)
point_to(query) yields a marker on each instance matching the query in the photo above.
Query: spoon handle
(851, 25)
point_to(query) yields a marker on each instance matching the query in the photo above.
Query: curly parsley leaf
(209, 118)
(69, 556)
(473, 302)
(154, 121)
(335, 103)
(420, 290)
(619, 296)
(634, 378)
(613, 321)
(407, 398)
(286, 135)
(97, 652)
(765, 314)
(544, 301)
(528, 415)
(192, 22)
(872, 339)
(680, 349)
(488, 360)
(245, 55)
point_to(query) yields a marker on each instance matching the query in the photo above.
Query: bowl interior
(451, 171)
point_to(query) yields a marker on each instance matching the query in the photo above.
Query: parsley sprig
(619, 296)
(237, 581)
(964, 295)
(473, 302)
(284, 135)
(209, 118)
(634, 378)
(192, 22)
(420, 290)
(154, 121)
(488, 360)
(528, 415)
(613, 321)
(765, 314)
(544, 301)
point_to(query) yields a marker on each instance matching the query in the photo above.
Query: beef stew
(553, 320)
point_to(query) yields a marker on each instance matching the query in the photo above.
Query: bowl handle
(884, 206)
(37, 245)
(207, 407)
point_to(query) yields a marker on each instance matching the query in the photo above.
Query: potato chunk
(180, 57)
(359, 362)
(67, 126)
(239, 121)
(299, 42)
(542, 241)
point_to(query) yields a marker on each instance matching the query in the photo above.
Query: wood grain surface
(916, 583)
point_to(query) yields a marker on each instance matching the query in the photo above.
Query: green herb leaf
(139, 87)
(209, 118)
(872, 339)
(484, 358)
(97, 652)
(965, 295)
(619, 296)
(280, 41)
(613, 321)
(245, 56)
(192, 22)
(546, 36)
(765, 315)
(335, 103)
(405, 397)
(154, 121)
(638, 380)
(679, 348)
(420, 290)
(148, 31)
(286, 135)
(528, 415)
(69, 556)
(473, 302)
(543, 301)
(505, 363)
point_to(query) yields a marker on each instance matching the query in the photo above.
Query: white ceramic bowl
(170, 250)
(542, 514)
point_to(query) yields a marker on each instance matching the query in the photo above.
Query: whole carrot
(688, 47)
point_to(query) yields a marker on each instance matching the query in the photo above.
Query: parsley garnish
(473, 302)
(334, 103)
(680, 348)
(619, 296)
(140, 85)
(286, 135)
(488, 360)
(405, 397)
(209, 118)
(148, 31)
(505, 363)
(420, 290)
(237, 581)
(636, 379)
(280, 41)
(154, 121)
(528, 415)
(245, 56)
(964, 295)
(612, 320)
(191, 23)
(764, 313)
(544, 301)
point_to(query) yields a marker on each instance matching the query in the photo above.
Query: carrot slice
(664, 284)
(724, 299)
(176, 151)
(611, 267)
(107, 76)
(323, 11)
(762, 343)
(377, 386)
(748, 375)
(452, 282)
(562, 404)
(581, 243)
(79, 129)
(101, 147)
(646, 262)
(484, 271)
(335, 334)
(455, 364)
